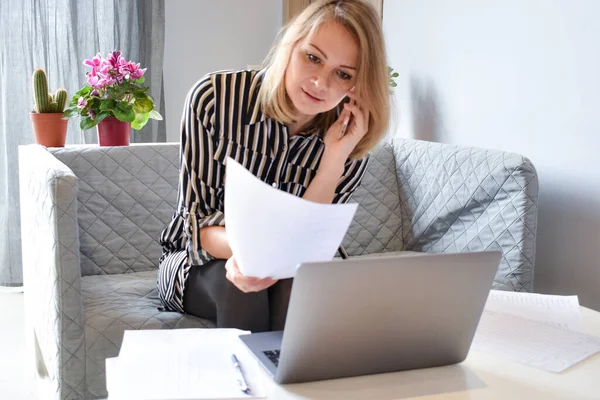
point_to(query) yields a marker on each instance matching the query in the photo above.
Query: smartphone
(347, 120)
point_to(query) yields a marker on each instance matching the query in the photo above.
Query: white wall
(522, 76)
(202, 36)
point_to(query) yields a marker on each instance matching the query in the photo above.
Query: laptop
(370, 315)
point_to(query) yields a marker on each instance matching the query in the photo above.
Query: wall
(202, 36)
(522, 76)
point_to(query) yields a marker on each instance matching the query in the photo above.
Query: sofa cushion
(377, 224)
(126, 197)
(115, 303)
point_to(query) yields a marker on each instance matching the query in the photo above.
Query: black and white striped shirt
(222, 118)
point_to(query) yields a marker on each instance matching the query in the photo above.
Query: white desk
(480, 376)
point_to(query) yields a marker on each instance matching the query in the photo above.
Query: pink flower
(95, 92)
(107, 81)
(131, 70)
(104, 69)
(81, 103)
(94, 62)
(91, 114)
(93, 79)
(138, 73)
(114, 58)
(111, 70)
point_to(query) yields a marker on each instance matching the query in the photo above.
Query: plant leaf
(84, 91)
(101, 116)
(124, 115)
(87, 123)
(123, 106)
(155, 115)
(116, 93)
(140, 121)
(108, 104)
(143, 105)
(70, 112)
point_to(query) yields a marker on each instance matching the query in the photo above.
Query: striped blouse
(222, 118)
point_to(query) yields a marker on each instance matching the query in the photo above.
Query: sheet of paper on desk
(533, 343)
(271, 232)
(182, 364)
(559, 311)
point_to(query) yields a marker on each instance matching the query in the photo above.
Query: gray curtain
(58, 35)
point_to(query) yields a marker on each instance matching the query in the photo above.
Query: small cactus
(40, 91)
(44, 101)
(61, 99)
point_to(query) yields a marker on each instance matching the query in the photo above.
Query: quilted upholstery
(457, 199)
(377, 225)
(114, 303)
(126, 197)
(53, 306)
(94, 215)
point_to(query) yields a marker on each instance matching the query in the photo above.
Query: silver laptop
(371, 315)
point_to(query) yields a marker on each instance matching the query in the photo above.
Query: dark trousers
(209, 294)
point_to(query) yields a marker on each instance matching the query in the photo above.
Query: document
(272, 232)
(558, 311)
(533, 343)
(182, 364)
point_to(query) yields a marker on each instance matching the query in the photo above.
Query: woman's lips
(312, 98)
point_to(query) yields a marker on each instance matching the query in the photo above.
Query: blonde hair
(372, 79)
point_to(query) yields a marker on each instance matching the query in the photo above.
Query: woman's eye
(312, 58)
(344, 75)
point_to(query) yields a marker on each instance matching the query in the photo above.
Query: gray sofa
(91, 218)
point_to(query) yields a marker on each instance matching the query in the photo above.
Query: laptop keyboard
(273, 355)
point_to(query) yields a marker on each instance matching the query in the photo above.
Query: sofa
(91, 218)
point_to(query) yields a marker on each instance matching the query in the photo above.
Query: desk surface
(480, 376)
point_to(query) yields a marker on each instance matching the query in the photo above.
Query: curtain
(58, 35)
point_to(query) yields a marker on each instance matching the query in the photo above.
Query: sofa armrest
(457, 199)
(51, 272)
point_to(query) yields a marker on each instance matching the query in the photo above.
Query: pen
(239, 375)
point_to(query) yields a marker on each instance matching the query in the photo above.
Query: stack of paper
(182, 364)
(543, 331)
(271, 232)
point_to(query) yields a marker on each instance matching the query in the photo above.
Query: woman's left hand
(342, 144)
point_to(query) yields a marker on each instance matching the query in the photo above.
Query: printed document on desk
(533, 343)
(558, 311)
(182, 364)
(544, 331)
(271, 232)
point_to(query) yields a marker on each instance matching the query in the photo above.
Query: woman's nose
(320, 82)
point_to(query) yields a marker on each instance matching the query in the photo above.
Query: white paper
(182, 364)
(533, 343)
(272, 232)
(558, 311)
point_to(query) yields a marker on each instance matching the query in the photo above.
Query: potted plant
(113, 99)
(392, 75)
(49, 127)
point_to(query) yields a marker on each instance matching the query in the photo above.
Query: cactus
(40, 91)
(61, 99)
(45, 102)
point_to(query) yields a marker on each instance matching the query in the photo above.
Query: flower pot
(49, 129)
(112, 132)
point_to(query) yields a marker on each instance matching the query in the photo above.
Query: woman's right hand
(245, 283)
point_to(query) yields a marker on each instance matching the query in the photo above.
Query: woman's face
(321, 70)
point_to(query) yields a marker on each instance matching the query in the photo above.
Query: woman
(305, 124)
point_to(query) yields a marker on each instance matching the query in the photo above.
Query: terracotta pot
(112, 132)
(49, 129)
